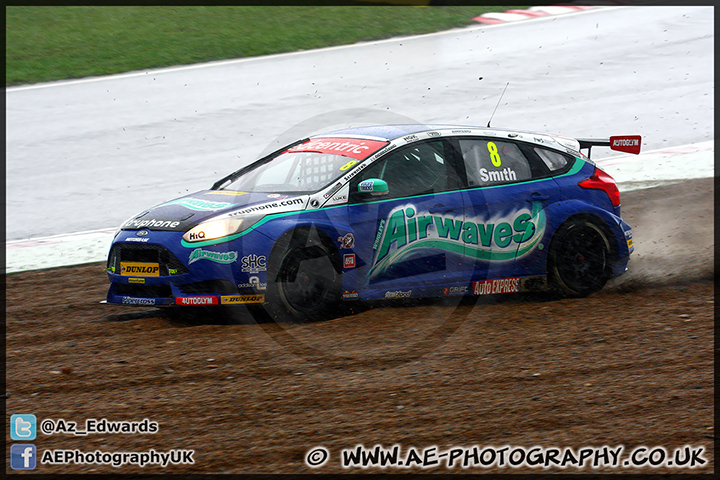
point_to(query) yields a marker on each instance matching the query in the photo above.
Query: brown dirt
(631, 365)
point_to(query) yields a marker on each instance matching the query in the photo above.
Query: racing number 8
(494, 156)
(348, 165)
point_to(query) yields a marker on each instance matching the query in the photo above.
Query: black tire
(303, 279)
(578, 259)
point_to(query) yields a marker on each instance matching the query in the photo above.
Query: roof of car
(389, 132)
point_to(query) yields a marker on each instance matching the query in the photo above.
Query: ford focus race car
(383, 212)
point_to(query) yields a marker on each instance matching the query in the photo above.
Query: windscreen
(308, 167)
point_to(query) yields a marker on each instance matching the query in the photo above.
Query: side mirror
(374, 187)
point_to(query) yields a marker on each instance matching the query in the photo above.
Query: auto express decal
(497, 239)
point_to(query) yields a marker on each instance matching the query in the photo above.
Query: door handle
(537, 197)
(439, 208)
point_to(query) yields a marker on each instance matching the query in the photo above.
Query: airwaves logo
(501, 238)
(198, 205)
(218, 257)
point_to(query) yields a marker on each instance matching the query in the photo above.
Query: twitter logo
(23, 427)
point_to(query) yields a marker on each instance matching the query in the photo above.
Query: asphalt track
(629, 366)
(87, 154)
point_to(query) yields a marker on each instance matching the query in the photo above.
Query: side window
(553, 160)
(415, 170)
(493, 162)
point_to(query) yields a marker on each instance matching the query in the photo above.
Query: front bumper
(156, 270)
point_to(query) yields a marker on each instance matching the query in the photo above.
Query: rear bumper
(625, 248)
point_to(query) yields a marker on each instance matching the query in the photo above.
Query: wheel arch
(594, 219)
(572, 285)
(607, 221)
(305, 230)
(292, 246)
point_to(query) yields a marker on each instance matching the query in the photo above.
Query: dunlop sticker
(140, 269)
(241, 299)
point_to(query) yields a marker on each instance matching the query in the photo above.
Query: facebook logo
(23, 457)
(23, 427)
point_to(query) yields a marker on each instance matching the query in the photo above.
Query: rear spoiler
(624, 143)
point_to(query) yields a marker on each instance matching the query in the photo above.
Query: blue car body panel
(444, 243)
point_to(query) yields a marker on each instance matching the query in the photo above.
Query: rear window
(553, 160)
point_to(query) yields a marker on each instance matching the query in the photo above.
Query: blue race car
(383, 212)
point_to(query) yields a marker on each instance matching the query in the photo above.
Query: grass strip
(46, 43)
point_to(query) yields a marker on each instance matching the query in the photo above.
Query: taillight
(602, 181)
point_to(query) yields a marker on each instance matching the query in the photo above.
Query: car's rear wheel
(304, 283)
(578, 259)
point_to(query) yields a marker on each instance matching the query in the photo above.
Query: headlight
(214, 229)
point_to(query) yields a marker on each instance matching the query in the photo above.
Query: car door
(410, 234)
(506, 197)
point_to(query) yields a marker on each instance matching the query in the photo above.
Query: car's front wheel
(304, 283)
(578, 259)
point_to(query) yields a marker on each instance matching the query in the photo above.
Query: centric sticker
(348, 147)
